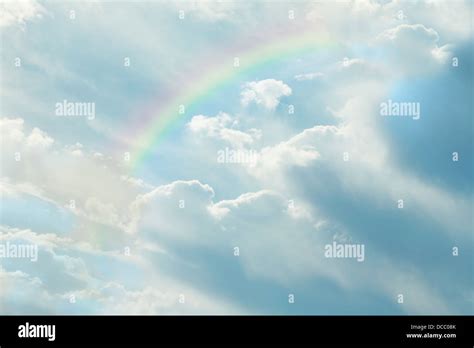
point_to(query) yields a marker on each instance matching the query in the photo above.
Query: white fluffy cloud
(200, 222)
(64, 173)
(13, 135)
(359, 136)
(277, 240)
(259, 223)
(19, 12)
(368, 18)
(265, 92)
(47, 285)
(413, 48)
(274, 160)
(38, 139)
(223, 127)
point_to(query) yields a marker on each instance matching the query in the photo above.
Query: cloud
(19, 12)
(450, 17)
(14, 136)
(292, 238)
(212, 11)
(178, 202)
(114, 298)
(223, 127)
(275, 160)
(265, 92)
(102, 196)
(366, 18)
(38, 139)
(48, 285)
(182, 233)
(76, 149)
(12, 129)
(422, 43)
(257, 222)
(211, 126)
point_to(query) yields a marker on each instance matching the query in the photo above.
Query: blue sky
(160, 238)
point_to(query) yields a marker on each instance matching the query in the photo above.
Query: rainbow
(165, 117)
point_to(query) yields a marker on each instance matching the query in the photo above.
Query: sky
(185, 157)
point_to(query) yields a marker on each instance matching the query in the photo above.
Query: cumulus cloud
(422, 43)
(359, 136)
(260, 223)
(76, 149)
(223, 127)
(181, 228)
(368, 18)
(55, 173)
(250, 221)
(12, 129)
(14, 137)
(61, 283)
(451, 17)
(276, 159)
(20, 12)
(38, 139)
(179, 202)
(265, 92)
